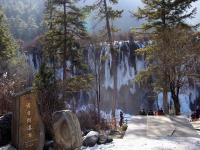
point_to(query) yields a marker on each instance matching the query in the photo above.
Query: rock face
(91, 139)
(67, 131)
(5, 129)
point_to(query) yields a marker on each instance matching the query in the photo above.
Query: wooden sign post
(27, 127)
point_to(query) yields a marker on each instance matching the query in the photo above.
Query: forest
(99, 71)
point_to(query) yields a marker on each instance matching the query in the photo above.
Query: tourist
(142, 112)
(121, 122)
(150, 113)
(197, 112)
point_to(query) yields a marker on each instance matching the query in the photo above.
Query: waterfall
(108, 79)
(130, 97)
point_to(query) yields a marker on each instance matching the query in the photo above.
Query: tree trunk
(165, 100)
(176, 105)
(65, 44)
(114, 103)
(108, 24)
(97, 80)
(114, 96)
(99, 96)
(64, 52)
(165, 91)
(175, 97)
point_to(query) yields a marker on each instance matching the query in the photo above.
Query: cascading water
(128, 64)
(130, 98)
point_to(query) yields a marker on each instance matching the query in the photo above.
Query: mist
(128, 20)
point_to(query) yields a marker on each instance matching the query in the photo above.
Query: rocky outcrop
(67, 131)
(5, 129)
(91, 139)
(104, 139)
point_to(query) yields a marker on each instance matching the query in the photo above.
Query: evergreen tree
(24, 18)
(160, 16)
(107, 14)
(13, 68)
(65, 28)
(7, 44)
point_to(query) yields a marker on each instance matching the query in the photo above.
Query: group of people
(195, 114)
(160, 112)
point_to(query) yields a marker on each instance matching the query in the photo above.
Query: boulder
(109, 140)
(5, 129)
(91, 139)
(104, 139)
(67, 131)
(86, 131)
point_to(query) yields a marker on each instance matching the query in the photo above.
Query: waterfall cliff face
(130, 97)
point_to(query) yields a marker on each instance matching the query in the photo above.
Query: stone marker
(67, 130)
(27, 127)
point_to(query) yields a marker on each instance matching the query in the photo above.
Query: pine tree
(107, 14)
(65, 28)
(160, 16)
(7, 44)
(49, 44)
(24, 18)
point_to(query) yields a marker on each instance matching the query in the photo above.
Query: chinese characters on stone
(29, 122)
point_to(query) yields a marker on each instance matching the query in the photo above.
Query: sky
(127, 22)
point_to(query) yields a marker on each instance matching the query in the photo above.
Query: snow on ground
(175, 143)
(7, 147)
(137, 137)
(196, 125)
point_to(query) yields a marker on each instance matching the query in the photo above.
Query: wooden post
(27, 127)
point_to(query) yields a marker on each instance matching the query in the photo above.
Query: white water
(108, 79)
(125, 74)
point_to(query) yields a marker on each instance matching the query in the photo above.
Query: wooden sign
(27, 127)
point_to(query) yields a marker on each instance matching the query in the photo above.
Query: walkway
(156, 133)
(160, 126)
